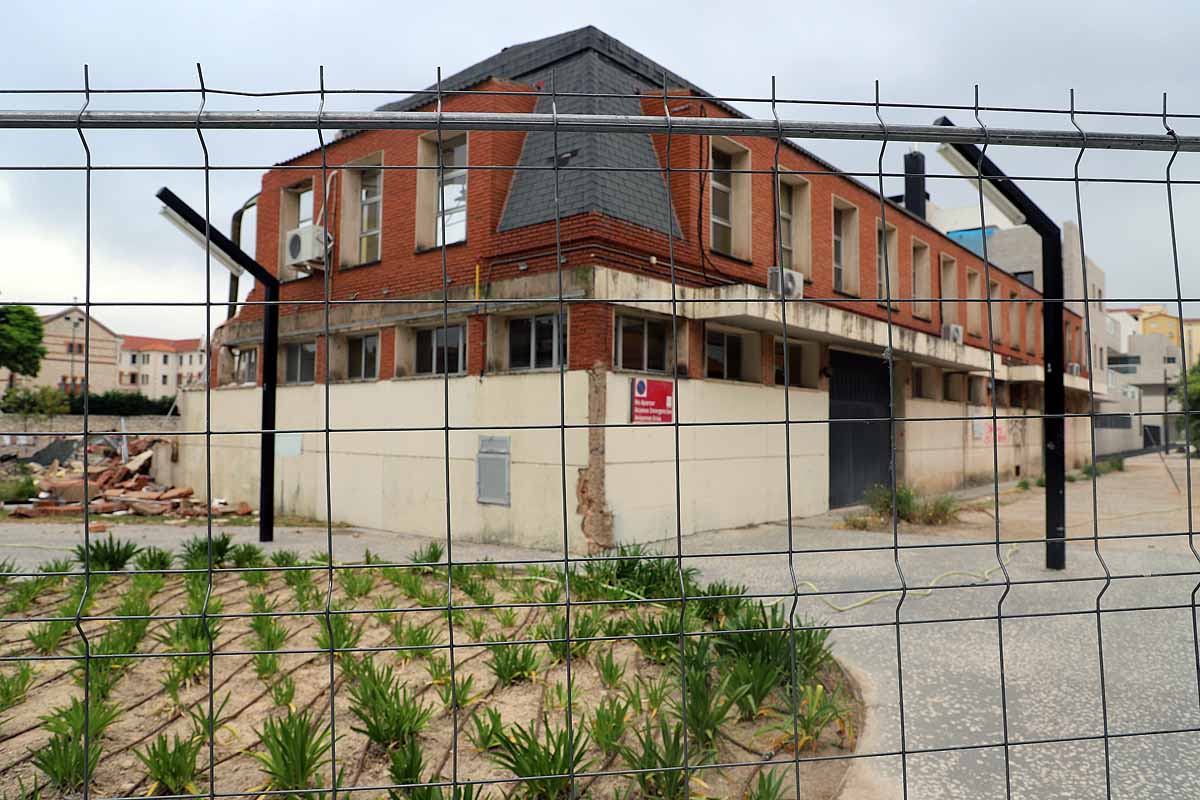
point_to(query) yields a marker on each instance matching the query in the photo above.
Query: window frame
(559, 338)
(289, 219)
(798, 221)
(645, 322)
(300, 349)
(362, 361)
(922, 270)
(844, 261)
(432, 332)
(243, 359)
(889, 238)
(741, 354)
(740, 220)
(779, 357)
(430, 183)
(365, 202)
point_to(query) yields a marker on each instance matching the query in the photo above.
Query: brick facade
(491, 257)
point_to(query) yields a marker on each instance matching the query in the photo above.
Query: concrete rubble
(113, 487)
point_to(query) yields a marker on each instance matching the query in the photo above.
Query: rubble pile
(113, 486)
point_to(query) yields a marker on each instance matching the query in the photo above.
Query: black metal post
(218, 240)
(1054, 456)
(266, 488)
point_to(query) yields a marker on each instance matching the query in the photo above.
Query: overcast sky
(1022, 54)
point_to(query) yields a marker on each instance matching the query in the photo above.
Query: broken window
(723, 355)
(245, 368)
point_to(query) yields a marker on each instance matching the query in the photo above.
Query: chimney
(914, 182)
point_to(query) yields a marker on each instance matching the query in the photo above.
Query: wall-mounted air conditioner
(303, 247)
(783, 282)
(953, 332)
(1073, 368)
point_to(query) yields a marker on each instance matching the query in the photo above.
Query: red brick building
(446, 262)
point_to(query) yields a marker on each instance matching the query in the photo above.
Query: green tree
(21, 349)
(1187, 391)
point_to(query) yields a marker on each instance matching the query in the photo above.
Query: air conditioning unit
(1073, 368)
(305, 247)
(953, 332)
(783, 282)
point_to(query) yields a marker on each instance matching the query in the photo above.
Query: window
(1014, 320)
(300, 362)
(145, 358)
(886, 244)
(164, 380)
(133, 358)
(245, 366)
(922, 280)
(531, 342)
(166, 359)
(189, 358)
(974, 293)
(133, 379)
(791, 357)
(1169, 359)
(439, 347)
(441, 192)
(948, 275)
(370, 203)
(199, 358)
(364, 357)
(304, 204)
(1026, 277)
(786, 202)
(295, 211)
(722, 202)
(995, 311)
(794, 232)
(845, 247)
(642, 344)
(923, 382)
(729, 210)
(723, 355)
(1030, 328)
(145, 379)
(1124, 364)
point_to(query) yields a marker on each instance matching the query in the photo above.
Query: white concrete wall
(729, 475)
(941, 455)
(396, 480)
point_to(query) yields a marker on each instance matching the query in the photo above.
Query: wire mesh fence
(578, 620)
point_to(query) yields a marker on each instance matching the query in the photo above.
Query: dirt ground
(147, 711)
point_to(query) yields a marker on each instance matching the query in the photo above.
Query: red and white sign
(651, 400)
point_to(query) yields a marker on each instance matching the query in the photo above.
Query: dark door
(1151, 436)
(859, 452)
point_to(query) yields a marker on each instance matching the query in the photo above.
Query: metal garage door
(858, 451)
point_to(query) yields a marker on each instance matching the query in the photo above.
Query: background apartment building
(150, 366)
(160, 367)
(491, 338)
(70, 338)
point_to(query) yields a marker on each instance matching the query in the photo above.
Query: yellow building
(1158, 319)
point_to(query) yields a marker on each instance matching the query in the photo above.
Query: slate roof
(590, 61)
